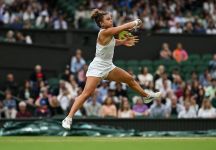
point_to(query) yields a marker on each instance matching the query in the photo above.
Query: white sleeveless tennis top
(105, 52)
(102, 63)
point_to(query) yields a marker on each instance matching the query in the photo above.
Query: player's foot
(66, 123)
(151, 96)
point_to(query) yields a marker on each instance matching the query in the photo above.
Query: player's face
(107, 21)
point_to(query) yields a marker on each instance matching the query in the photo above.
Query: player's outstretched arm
(116, 30)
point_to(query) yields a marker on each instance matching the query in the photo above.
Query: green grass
(93, 143)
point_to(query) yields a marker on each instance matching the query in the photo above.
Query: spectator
(38, 74)
(175, 108)
(74, 86)
(187, 112)
(205, 78)
(10, 105)
(42, 20)
(179, 54)
(163, 82)
(10, 84)
(65, 95)
(139, 108)
(145, 78)
(125, 110)
(77, 62)
(207, 111)
(23, 112)
(159, 72)
(108, 109)
(212, 66)
(93, 107)
(20, 38)
(188, 28)
(81, 76)
(43, 104)
(165, 53)
(28, 14)
(10, 37)
(119, 91)
(176, 29)
(158, 110)
(26, 92)
(66, 75)
(210, 90)
(103, 91)
(60, 23)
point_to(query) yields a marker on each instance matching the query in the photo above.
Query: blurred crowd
(16, 37)
(28, 14)
(40, 96)
(164, 16)
(169, 16)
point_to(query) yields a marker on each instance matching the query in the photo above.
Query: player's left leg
(120, 75)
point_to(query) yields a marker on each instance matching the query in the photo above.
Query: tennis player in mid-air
(102, 66)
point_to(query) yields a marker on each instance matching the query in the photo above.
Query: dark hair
(97, 15)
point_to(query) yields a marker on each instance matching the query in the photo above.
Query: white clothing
(102, 63)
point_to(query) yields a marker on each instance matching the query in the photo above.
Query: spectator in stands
(179, 54)
(108, 109)
(139, 108)
(38, 74)
(10, 84)
(188, 28)
(205, 78)
(163, 83)
(20, 38)
(187, 112)
(26, 92)
(175, 108)
(145, 78)
(43, 104)
(176, 29)
(125, 110)
(10, 37)
(207, 111)
(60, 23)
(165, 52)
(66, 75)
(159, 72)
(119, 91)
(212, 66)
(10, 105)
(28, 14)
(210, 90)
(81, 76)
(65, 95)
(77, 62)
(2, 110)
(42, 20)
(103, 91)
(74, 87)
(93, 107)
(178, 85)
(158, 110)
(23, 112)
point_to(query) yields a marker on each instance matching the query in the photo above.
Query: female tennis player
(102, 66)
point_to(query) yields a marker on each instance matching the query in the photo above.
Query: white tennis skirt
(100, 68)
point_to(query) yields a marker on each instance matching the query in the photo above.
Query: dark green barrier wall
(143, 124)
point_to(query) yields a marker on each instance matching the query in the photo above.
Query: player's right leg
(90, 86)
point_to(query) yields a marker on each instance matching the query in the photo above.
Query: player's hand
(130, 40)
